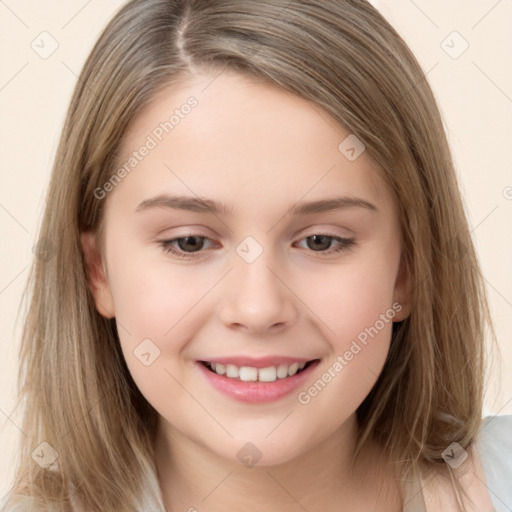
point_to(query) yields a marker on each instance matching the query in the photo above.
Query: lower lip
(257, 392)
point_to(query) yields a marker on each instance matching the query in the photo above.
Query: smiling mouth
(251, 374)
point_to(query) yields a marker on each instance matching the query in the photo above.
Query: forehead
(228, 135)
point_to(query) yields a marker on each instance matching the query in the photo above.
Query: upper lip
(260, 362)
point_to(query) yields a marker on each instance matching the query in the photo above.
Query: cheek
(153, 297)
(157, 305)
(358, 351)
(355, 305)
(351, 298)
(155, 318)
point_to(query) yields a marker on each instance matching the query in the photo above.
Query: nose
(256, 298)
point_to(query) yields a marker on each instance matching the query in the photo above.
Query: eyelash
(345, 245)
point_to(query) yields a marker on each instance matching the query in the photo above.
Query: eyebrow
(204, 205)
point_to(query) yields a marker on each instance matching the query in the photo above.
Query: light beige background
(474, 91)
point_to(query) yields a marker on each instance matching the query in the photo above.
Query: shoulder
(494, 446)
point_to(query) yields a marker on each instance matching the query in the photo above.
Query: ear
(96, 275)
(403, 290)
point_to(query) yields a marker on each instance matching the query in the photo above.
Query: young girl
(256, 288)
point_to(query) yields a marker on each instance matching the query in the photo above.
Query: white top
(496, 456)
(494, 446)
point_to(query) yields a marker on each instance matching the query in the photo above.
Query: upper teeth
(249, 373)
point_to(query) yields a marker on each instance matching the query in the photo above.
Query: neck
(192, 477)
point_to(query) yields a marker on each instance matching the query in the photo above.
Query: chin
(263, 452)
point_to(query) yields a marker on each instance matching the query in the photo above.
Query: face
(247, 239)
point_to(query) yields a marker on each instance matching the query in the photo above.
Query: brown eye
(184, 247)
(319, 242)
(323, 244)
(190, 243)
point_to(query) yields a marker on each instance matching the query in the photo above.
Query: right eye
(184, 247)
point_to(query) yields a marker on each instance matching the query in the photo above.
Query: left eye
(319, 243)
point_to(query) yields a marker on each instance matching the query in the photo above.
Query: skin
(261, 151)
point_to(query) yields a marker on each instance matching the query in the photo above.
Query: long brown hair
(342, 56)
